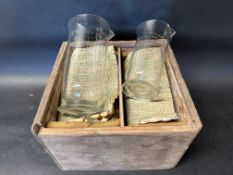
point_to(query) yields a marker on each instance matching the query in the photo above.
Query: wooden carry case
(153, 146)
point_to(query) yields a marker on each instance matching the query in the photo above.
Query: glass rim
(172, 31)
(87, 15)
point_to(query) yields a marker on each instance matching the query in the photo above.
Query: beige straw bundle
(142, 112)
(110, 79)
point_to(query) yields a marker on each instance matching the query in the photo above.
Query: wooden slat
(123, 44)
(63, 124)
(184, 91)
(41, 114)
(55, 100)
(122, 122)
(150, 130)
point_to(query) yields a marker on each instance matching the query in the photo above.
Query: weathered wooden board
(159, 151)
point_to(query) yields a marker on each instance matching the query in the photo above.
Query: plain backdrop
(31, 32)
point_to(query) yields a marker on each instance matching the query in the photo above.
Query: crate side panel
(159, 151)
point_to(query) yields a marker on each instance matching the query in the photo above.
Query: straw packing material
(142, 112)
(111, 84)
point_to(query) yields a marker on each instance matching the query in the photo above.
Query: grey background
(31, 32)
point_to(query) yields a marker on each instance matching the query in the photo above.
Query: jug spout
(110, 34)
(172, 33)
(88, 27)
(155, 29)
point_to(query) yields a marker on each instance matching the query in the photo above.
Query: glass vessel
(83, 86)
(143, 74)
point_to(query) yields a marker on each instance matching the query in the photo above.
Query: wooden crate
(153, 146)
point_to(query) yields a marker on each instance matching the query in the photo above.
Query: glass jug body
(83, 87)
(146, 64)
